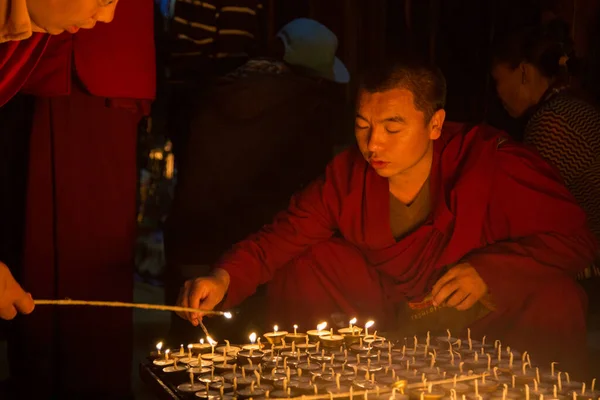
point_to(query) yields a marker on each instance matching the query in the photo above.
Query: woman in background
(531, 70)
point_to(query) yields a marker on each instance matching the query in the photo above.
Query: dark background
(455, 34)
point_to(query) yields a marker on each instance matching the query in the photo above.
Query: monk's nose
(376, 140)
(107, 14)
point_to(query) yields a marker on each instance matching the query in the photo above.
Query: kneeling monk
(424, 217)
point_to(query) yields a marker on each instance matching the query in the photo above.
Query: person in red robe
(23, 24)
(426, 216)
(92, 89)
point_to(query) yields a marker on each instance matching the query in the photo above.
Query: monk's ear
(436, 123)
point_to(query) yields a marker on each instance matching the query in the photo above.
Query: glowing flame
(252, 337)
(295, 326)
(190, 346)
(275, 328)
(321, 326)
(211, 341)
(227, 315)
(353, 321)
(369, 324)
(159, 346)
(201, 341)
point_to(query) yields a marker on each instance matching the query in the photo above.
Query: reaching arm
(535, 228)
(311, 218)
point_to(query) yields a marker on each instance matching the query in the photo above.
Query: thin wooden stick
(204, 329)
(69, 302)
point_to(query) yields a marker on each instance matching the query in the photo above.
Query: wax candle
(315, 334)
(446, 339)
(228, 349)
(175, 372)
(253, 345)
(275, 337)
(459, 387)
(297, 337)
(367, 326)
(352, 329)
(166, 360)
(190, 387)
(212, 343)
(189, 357)
(177, 354)
(331, 341)
(210, 395)
(200, 347)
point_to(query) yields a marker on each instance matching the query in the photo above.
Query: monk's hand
(461, 287)
(203, 293)
(13, 298)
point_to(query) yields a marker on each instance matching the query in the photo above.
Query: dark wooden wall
(456, 34)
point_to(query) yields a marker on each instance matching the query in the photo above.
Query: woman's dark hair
(543, 46)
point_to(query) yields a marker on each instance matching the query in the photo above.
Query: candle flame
(227, 315)
(159, 346)
(190, 346)
(275, 328)
(167, 351)
(369, 324)
(353, 321)
(201, 341)
(295, 326)
(321, 326)
(252, 337)
(211, 341)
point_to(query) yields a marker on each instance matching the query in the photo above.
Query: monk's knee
(558, 301)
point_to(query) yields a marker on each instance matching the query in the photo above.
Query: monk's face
(57, 16)
(392, 133)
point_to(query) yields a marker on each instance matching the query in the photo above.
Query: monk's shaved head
(426, 83)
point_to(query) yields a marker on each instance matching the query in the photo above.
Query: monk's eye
(393, 127)
(361, 125)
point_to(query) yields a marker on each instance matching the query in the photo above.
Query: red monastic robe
(17, 60)
(81, 225)
(496, 205)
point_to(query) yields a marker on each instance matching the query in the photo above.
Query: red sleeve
(310, 218)
(547, 230)
(17, 60)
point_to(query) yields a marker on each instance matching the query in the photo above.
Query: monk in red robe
(92, 88)
(23, 41)
(426, 214)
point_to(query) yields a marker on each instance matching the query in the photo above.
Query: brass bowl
(297, 338)
(434, 395)
(355, 330)
(314, 335)
(201, 348)
(331, 341)
(350, 340)
(275, 338)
